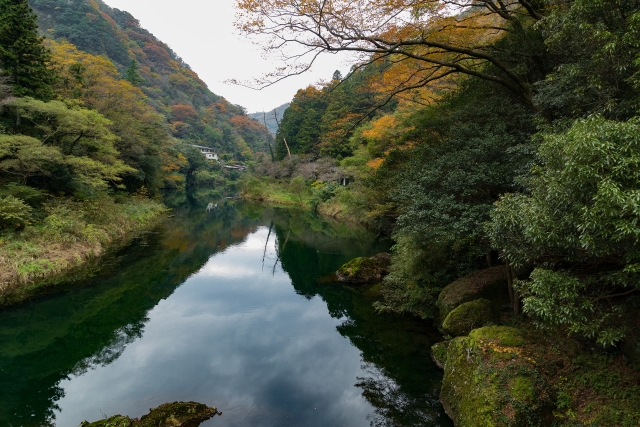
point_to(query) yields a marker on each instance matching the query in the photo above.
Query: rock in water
(176, 414)
(360, 271)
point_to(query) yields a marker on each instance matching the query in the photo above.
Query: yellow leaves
(375, 163)
(382, 127)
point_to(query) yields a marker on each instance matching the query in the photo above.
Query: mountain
(193, 113)
(271, 122)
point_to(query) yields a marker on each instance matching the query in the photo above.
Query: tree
(22, 54)
(598, 46)
(297, 187)
(74, 146)
(579, 227)
(132, 75)
(443, 37)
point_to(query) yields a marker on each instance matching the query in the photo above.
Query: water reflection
(198, 312)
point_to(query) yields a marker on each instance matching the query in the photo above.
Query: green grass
(68, 235)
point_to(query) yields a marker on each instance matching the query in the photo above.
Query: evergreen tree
(22, 54)
(132, 75)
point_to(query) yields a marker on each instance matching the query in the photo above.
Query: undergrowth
(68, 234)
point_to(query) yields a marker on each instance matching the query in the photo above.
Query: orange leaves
(184, 113)
(156, 53)
(427, 41)
(244, 123)
(375, 163)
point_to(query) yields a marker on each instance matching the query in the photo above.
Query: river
(221, 305)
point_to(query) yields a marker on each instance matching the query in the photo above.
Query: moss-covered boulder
(490, 283)
(489, 380)
(468, 316)
(363, 270)
(439, 353)
(176, 414)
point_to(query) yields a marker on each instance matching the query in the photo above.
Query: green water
(221, 306)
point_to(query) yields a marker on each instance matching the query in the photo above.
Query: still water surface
(221, 306)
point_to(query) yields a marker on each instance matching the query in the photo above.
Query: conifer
(23, 56)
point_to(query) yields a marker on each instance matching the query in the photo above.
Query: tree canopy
(22, 55)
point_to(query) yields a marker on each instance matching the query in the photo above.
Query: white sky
(202, 33)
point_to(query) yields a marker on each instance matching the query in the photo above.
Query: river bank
(328, 200)
(70, 237)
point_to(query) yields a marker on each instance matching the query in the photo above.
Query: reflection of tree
(404, 393)
(394, 406)
(46, 341)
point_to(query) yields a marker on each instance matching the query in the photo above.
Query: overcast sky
(202, 33)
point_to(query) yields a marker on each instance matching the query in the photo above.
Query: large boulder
(363, 270)
(468, 316)
(490, 381)
(490, 284)
(176, 414)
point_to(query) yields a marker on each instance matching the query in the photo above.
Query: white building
(208, 152)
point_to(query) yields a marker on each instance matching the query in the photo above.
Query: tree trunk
(513, 294)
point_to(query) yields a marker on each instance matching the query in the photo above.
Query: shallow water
(222, 306)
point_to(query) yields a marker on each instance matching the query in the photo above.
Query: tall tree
(443, 37)
(22, 53)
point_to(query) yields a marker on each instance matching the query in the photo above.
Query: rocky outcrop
(468, 316)
(490, 284)
(176, 414)
(490, 381)
(361, 271)
(439, 353)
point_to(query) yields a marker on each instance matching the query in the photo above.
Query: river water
(221, 305)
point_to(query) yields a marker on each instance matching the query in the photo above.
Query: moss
(467, 316)
(500, 335)
(439, 353)
(363, 270)
(483, 388)
(490, 283)
(523, 389)
(175, 414)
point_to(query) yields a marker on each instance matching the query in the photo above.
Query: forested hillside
(498, 133)
(97, 118)
(176, 92)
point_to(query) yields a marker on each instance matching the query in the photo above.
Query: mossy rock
(490, 381)
(468, 316)
(363, 270)
(490, 283)
(500, 335)
(439, 353)
(176, 414)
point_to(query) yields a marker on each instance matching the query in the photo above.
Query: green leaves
(22, 54)
(580, 226)
(74, 139)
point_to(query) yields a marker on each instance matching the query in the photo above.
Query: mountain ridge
(194, 113)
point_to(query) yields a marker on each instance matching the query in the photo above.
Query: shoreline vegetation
(72, 237)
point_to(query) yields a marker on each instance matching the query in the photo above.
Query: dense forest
(477, 134)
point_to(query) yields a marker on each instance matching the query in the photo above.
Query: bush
(14, 213)
(580, 226)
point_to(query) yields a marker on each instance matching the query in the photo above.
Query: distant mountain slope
(272, 124)
(193, 112)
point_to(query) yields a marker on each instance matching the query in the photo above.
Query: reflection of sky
(234, 336)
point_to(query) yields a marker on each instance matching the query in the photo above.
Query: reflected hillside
(91, 323)
(404, 393)
(46, 340)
